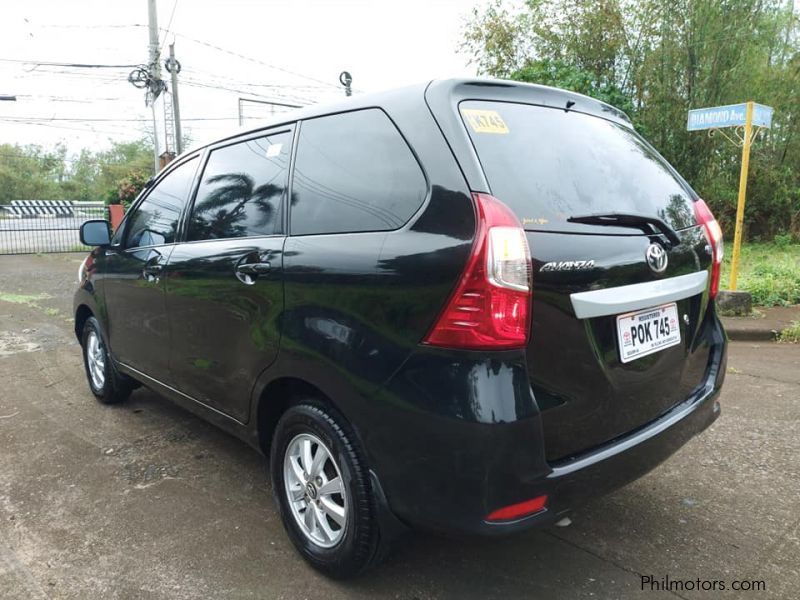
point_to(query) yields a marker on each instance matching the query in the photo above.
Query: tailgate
(612, 230)
(586, 393)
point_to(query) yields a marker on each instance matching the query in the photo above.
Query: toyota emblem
(656, 258)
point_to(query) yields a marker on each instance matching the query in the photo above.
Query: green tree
(33, 173)
(656, 59)
(29, 173)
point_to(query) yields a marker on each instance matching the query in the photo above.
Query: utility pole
(174, 67)
(152, 14)
(154, 70)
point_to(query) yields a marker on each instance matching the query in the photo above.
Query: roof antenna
(570, 104)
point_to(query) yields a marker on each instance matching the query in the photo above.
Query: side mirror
(95, 233)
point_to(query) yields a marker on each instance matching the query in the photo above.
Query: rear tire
(108, 386)
(322, 488)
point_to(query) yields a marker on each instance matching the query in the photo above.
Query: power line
(254, 60)
(169, 24)
(44, 63)
(228, 89)
(295, 86)
(111, 120)
(68, 99)
(100, 26)
(84, 130)
(166, 32)
(229, 80)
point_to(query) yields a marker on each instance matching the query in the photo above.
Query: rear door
(224, 282)
(598, 288)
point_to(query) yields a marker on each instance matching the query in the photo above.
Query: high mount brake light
(714, 236)
(490, 308)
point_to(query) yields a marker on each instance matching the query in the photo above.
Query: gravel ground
(144, 500)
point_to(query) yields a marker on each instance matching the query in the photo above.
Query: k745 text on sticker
(485, 121)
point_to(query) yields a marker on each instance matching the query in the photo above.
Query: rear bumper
(446, 474)
(608, 468)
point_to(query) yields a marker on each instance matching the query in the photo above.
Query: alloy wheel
(315, 490)
(96, 360)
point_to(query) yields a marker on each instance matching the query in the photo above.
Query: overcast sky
(299, 46)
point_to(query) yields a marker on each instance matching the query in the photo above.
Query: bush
(127, 189)
(791, 334)
(773, 284)
(783, 240)
(770, 272)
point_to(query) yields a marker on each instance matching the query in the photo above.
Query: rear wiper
(646, 224)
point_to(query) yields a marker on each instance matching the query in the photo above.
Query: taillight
(714, 236)
(491, 306)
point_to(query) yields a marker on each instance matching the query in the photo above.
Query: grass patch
(770, 272)
(792, 334)
(29, 299)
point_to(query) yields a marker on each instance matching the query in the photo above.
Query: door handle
(153, 268)
(254, 269)
(247, 272)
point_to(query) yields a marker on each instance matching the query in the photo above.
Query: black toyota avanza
(465, 306)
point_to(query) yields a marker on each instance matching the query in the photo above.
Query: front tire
(322, 488)
(106, 384)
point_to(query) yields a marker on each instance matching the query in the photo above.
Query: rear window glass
(548, 165)
(354, 172)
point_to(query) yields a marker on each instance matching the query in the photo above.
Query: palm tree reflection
(224, 212)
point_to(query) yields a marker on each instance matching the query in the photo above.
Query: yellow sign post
(749, 118)
(737, 236)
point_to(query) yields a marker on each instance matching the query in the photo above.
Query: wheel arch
(82, 314)
(278, 396)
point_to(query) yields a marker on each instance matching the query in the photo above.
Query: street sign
(748, 116)
(731, 115)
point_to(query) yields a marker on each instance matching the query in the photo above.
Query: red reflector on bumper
(517, 511)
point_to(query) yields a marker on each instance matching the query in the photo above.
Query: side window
(242, 189)
(354, 172)
(155, 220)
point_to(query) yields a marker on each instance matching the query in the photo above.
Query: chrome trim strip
(696, 401)
(677, 414)
(627, 298)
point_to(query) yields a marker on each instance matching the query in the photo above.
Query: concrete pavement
(765, 324)
(144, 500)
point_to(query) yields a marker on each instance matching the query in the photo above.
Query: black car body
(319, 257)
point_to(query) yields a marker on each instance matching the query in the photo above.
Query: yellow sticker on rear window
(485, 121)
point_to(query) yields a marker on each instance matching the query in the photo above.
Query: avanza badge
(485, 121)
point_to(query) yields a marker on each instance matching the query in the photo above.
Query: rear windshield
(549, 164)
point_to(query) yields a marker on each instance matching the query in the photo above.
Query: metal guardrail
(34, 226)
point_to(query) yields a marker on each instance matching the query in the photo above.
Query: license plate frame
(643, 332)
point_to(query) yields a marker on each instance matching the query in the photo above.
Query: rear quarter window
(353, 172)
(549, 164)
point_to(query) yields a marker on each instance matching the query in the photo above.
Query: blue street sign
(731, 115)
(762, 116)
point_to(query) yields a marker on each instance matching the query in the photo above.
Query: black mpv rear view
(465, 306)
